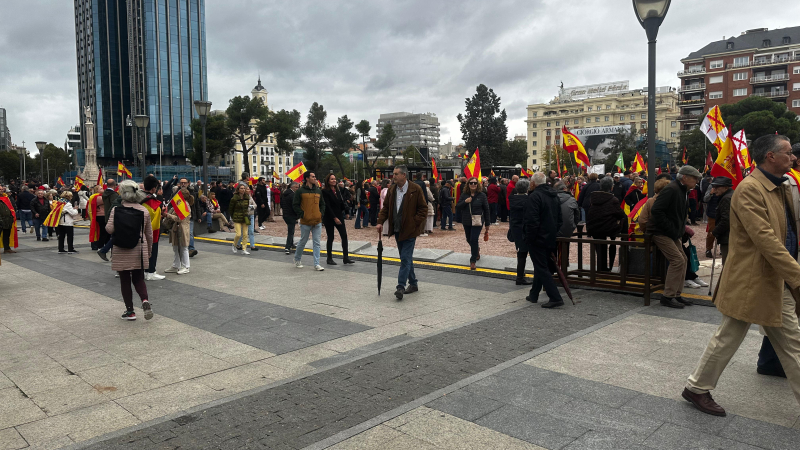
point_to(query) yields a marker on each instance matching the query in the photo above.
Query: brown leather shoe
(472, 265)
(703, 402)
(8, 250)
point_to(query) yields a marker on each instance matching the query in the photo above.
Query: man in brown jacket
(406, 211)
(760, 280)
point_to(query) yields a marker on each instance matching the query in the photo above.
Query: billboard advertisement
(597, 139)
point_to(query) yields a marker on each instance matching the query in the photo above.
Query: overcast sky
(364, 58)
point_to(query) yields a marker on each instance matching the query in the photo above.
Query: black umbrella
(380, 262)
(563, 279)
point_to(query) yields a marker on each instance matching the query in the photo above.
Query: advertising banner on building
(597, 139)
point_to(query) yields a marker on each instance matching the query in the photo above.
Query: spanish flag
(296, 172)
(727, 163)
(683, 158)
(492, 172)
(276, 176)
(153, 206)
(13, 239)
(473, 167)
(633, 216)
(100, 180)
(577, 189)
(122, 169)
(180, 206)
(796, 175)
(60, 181)
(574, 145)
(638, 164)
(79, 183)
(436, 171)
(55, 214)
(91, 207)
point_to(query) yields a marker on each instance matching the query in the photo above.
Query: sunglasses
(473, 182)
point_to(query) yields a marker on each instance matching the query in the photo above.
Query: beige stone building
(602, 105)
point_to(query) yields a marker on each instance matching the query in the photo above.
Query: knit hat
(690, 171)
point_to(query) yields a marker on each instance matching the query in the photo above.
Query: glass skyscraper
(141, 57)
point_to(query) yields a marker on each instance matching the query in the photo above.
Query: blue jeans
(316, 233)
(37, 225)
(251, 231)
(107, 248)
(362, 208)
(447, 214)
(26, 217)
(191, 234)
(406, 249)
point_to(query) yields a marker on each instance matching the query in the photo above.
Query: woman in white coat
(65, 224)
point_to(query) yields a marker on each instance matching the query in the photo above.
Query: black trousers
(767, 358)
(502, 211)
(101, 221)
(522, 260)
(329, 227)
(493, 212)
(7, 238)
(606, 254)
(373, 215)
(153, 258)
(65, 231)
(543, 268)
(263, 213)
(473, 235)
(290, 224)
(126, 277)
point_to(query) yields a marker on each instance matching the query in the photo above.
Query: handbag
(694, 262)
(477, 219)
(247, 220)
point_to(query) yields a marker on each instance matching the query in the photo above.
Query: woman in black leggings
(335, 207)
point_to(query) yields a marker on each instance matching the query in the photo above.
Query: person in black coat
(225, 195)
(603, 221)
(584, 198)
(446, 204)
(516, 227)
(334, 216)
(262, 201)
(289, 216)
(634, 196)
(542, 222)
(474, 202)
(374, 203)
(502, 210)
(723, 191)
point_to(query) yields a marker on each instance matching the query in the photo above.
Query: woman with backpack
(179, 236)
(129, 258)
(240, 215)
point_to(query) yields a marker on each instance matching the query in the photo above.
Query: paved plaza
(250, 352)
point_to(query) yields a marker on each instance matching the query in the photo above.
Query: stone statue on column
(90, 170)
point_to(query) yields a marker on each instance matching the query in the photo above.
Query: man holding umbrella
(406, 211)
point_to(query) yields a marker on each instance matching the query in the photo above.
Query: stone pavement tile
(591, 391)
(164, 400)
(465, 405)
(548, 431)
(174, 367)
(531, 397)
(353, 341)
(406, 442)
(761, 434)
(34, 379)
(88, 359)
(299, 358)
(16, 408)
(597, 440)
(217, 346)
(671, 436)
(678, 412)
(374, 438)
(119, 380)
(610, 421)
(5, 382)
(528, 374)
(10, 439)
(445, 431)
(78, 425)
(241, 378)
(75, 395)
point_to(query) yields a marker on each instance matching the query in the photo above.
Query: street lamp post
(203, 108)
(142, 121)
(651, 14)
(41, 145)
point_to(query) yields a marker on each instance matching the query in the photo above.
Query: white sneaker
(183, 271)
(691, 284)
(262, 227)
(155, 277)
(424, 234)
(244, 251)
(298, 264)
(319, 268)
(233, 247)
(172, 270)
(700, 282)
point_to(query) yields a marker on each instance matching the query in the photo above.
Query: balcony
(689, 103)
(692, 87)
(773, 94)
(687, 72)
(689, 117)
(770, 78)
(761, 62)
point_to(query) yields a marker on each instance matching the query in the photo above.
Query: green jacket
(238, 208)
(309, 205)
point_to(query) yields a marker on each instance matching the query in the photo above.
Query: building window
(740, 92)
(577, 121)
(741, 61)
(558, 132)
(716, 64)
(795, 87)
(534, 125)
(534, 114)
(608, 106)
(534, 161)
(713, 95)
(787, 40)
(715, 80)
(622, 117)
(633, 116)
(673, 124)
(548, 132)
(533, 152)
(606, 118)
(644, 125)
(590, 108)
(534, 134)
(558, 124)
(644, 116)
(673, 134)
(597, 119)
(766, 43)
(795, 103)
(588, 120)
(548, 124)
(730, 46)
(740, 76)
(534, 144)
(796, 70)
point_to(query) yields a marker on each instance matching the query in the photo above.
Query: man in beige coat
(761, 263)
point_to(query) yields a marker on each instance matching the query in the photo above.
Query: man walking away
(760, 281)
(262, 200)
(24, 215)
(110, 198)
(309, 207)
(667, 223)
(406, 211)
(446, 202)
(289, 216)
(542, 222)
(570, 214)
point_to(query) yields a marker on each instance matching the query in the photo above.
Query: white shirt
(401, 192)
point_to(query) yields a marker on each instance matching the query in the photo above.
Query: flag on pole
(79, 183)
(574, 145)
(122, 169)
(473, 167)
(275, 175)
(100, 180)
(740, 144)
(91, 211)
(683, 158)
(713, 126)
(709, 162)
(60, 181)
(296, 172)
(727, 163)
(436, 171)
(620, 163)
(638, 164)
(180, 206)
(564, 171)
(493, 173)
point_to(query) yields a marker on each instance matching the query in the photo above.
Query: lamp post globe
(650, 14)
(203, 108)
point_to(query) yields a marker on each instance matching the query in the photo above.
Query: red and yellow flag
(122, 169)
(60, 181)
(180, 206)
(796, 176)
(574, 145)
(436, 171)
(55, 214)
(638, 164)
(79, 183)
(683, 159)
(577, 189)
(727, 163)
(633, 216)
(91, 208)
(709, 162)
(13, 239)
(740, 144)
(296, 172)
(153, 206)
(473, 167)
(100, 180)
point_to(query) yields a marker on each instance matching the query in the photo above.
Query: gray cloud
(364, 58)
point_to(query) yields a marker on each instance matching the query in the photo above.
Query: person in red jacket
(276, 200)
(493, 194)
(510, 191)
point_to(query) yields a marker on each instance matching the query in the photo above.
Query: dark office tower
(141, 57)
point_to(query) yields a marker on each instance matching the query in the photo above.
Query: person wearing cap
(667, 223)
(618, 190)
(722, 190)
(760, 283)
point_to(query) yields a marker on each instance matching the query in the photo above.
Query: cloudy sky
(364, 58)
